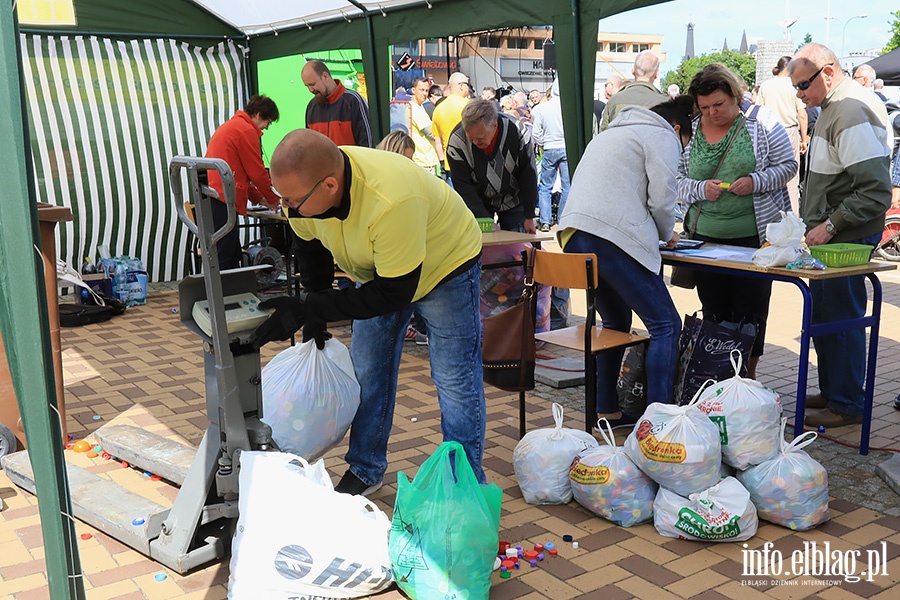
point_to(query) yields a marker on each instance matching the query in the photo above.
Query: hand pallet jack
(197, 529)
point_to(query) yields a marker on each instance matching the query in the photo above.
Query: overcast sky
(716, 21)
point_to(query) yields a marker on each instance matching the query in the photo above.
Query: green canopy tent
(236, 34)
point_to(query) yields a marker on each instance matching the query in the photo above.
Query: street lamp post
(844, 34)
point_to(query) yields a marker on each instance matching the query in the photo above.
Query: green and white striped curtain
(106, 116)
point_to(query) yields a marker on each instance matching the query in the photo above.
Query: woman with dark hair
(779, 96)
(237, 142)
(732, 177)
(620, 214)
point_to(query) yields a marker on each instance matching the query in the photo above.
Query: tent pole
(26, 328)
(579, 82)
(373, 79)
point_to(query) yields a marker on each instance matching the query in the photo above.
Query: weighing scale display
(242, 312)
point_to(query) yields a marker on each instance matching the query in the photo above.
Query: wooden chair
(579, 271)
(196, 259)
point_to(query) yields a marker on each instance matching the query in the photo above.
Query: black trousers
(733, 298)
(229, 247)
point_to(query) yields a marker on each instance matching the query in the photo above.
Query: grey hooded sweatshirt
(624, 188)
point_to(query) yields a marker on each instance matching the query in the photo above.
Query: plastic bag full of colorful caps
(747, 414)
(792, 488)
(678, 447)
(542, 458)
(608, 483)
(722, 513)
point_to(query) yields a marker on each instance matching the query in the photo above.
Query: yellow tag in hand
(724, 185)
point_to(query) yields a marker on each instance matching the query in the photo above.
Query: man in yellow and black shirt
(409, 241)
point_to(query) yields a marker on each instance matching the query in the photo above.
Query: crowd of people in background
(813, 140)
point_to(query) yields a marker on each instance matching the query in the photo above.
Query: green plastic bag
(445, 530)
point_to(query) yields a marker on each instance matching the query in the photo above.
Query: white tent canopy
(266, 16)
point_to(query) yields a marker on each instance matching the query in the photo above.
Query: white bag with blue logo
(298, 538)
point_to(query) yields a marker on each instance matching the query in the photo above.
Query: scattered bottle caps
(86, 536)
(507, 564)
(98, 448)
(160, 577)
(540, 556)
(539, 547)
(505, 574)
(155, 477)
(137, 522)
(497, 563)
(174, 311)
(567, 538)
(97, 417)
(92, 454)
(512, 553)
(124, 464)
(821, 429)
(549, 545)
(575, 545)
(516, 565)
(504, 546)
(414, 419)
(553, 551)
(81, 446)
(533, 563)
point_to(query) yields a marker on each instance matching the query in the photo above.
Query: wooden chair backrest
(565, 270)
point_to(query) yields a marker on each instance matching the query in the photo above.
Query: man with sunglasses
(411, 243)
(846, 194)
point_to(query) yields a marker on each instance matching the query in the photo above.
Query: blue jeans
(451, 313)
(554, 161)
(842, 356)
(625, 286)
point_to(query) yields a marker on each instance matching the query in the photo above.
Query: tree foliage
(894, 42)
(806, 40)
(742, 64)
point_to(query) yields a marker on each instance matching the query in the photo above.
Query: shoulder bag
(508, 350)
(681, 276)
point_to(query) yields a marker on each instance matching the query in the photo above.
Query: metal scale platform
(197, 528)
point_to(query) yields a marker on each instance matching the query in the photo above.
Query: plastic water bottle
(88, 268)
(121, 282)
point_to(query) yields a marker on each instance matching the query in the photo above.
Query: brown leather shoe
(831, 418)
(816, 401)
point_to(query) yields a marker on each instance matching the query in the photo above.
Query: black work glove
(316, 329)
(288, 317)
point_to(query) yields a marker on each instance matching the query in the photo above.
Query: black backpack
(76, 315)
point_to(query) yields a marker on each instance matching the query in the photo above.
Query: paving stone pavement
(143, 368)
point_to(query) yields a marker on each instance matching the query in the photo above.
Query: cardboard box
(99, 282)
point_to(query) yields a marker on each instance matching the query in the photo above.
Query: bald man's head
(814, 54)
(458, 85)
(865, 76)
(646, 66)
(815, 70)
(306, 165)
(306, 152)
